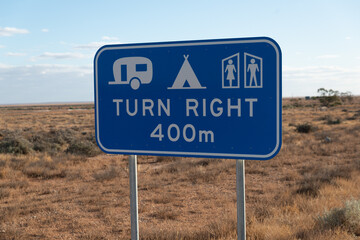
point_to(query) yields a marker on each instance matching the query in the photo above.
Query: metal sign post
(133, 197)
(240, 195)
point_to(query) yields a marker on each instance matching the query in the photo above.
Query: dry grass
(55, 184)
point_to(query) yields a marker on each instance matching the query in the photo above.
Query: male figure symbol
(253, 71)
(253, 67)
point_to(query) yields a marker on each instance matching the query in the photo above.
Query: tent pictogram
(186, 78)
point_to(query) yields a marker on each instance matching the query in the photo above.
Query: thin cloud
(10, 31)
(321, 72)
(2, 46)
(5, 66)
(97, 45)
(45, 83)
(92, 45)
(45, 30)
(106, 38)
(14, 54)
(66, 55)
(303, 81)
(328, 56)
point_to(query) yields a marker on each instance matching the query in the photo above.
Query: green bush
(347, 218)
(83, 147)
(15, 144)
(330, 101)
(304, 128)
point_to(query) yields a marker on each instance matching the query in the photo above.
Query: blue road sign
(211, 98)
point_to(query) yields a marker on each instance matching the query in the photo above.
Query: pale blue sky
(47, 47)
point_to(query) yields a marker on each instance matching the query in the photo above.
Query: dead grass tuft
(224, 229)
(4, 193)
(319, 176)
(15, 184)
(107, 174)
(166, 213)
(44, 168)
(165, 159)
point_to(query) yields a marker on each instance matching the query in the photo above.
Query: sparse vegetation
(347, 218)
(52, 142)
(330, 97)
(315, 178)
(331, 120)
(56, 184)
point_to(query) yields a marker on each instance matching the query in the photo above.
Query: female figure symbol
(230, 69)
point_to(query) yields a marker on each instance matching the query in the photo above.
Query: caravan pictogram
(132, 70)
(186, 78)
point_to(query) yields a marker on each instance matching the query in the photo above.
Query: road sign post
(212, 98)
(240, 196)
(133, 197)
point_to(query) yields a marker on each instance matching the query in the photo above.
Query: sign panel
(211, 98)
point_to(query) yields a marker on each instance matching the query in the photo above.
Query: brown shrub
(4, 193)
(304, 128)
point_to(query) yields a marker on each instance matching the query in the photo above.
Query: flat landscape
(56, 184)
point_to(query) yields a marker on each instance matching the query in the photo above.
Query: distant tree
(346, 96)
(323, 92)
(329, 97)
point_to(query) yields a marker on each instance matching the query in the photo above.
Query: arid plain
(56, 184)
